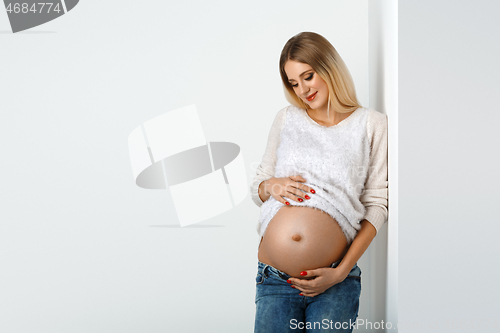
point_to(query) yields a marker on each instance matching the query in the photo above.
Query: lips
(311, 97)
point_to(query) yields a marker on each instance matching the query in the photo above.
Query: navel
(296, 237)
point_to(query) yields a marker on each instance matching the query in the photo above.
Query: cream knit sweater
(345, 164)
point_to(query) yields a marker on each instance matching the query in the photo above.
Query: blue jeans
(281, 309)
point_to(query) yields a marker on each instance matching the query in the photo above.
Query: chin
(314, 105)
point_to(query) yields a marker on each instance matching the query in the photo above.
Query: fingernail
(300, 199)
(307, 197)
(293, 286)
(288, 281)
(301, 294)
(303, 273)
(287, 203)
(313, 191)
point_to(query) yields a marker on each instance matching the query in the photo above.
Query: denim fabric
(280, 308)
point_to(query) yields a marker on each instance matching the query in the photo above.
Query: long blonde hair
(316, 51)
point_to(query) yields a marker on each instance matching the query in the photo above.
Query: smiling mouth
(311, 97)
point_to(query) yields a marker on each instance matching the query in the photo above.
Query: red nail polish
(303, 273)
(301, 295)
(287, 203)
(313, 191)
(293, 286)
(288, 281)
(300, 199)
(307, 197)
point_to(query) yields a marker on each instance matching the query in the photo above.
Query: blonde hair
(316, 51)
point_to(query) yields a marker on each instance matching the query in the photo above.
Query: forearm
(358, 246)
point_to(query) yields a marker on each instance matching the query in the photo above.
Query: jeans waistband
(268, 269)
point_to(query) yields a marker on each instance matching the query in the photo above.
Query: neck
(327, 116)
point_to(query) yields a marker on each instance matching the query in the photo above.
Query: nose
(303, 89)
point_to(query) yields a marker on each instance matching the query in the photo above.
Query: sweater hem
(347, 228)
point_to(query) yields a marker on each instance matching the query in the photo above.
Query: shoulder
(375, 116)
(279, 121)
(281, 114)
(376, 122)
(376, 126)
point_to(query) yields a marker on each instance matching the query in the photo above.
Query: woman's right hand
(288, 187)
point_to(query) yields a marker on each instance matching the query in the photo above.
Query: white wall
(383, 252)
(448, 159)
(82, 248)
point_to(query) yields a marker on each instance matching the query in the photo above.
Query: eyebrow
(301, 74)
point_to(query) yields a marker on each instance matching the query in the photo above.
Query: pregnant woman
(322, 188)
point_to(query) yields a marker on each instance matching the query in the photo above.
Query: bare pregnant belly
(301, 238)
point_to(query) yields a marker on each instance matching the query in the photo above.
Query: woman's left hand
(324, 278)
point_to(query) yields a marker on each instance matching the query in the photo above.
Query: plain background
(448, 166)
(82, 248)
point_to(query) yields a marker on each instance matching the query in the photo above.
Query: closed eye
(309, 78)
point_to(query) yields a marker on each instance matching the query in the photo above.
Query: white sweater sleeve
(375, 195)
(267, 167)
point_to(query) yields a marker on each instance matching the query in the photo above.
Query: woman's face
(307, 84)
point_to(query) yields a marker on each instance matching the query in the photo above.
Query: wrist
(263, 192)
(265, 186)
(335, 276)
(344, 268)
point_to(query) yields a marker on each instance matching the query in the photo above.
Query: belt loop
(264, 271)
(335, 264)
